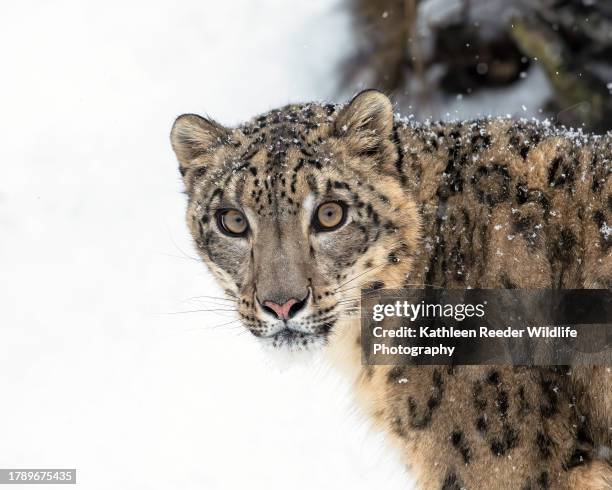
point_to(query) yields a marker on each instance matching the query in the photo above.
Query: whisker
(208, 303)
(179, 257)
(418, 286)
(197, 311)
(358, 276)
(357, 298)
(228, 323)
(350, 300)
(368, 291)
(185, 254)
(236, 328)
(220, 298)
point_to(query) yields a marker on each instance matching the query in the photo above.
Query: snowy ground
(94, 373)
(98, 371)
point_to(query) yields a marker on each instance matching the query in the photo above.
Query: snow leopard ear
(366, 121)
(193, 137)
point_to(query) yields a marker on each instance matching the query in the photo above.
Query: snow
(98, 371)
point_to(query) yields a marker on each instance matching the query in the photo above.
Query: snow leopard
(298, 210)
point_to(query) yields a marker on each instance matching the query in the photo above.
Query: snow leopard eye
(329, 216)
(232, 222)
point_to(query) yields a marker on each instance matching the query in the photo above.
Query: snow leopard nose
(287, 310)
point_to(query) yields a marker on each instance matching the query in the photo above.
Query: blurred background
(449, 58)
(107, 362)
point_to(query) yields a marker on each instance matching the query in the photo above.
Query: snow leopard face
(297, 210)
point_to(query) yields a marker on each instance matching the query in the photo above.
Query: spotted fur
(492, 203)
